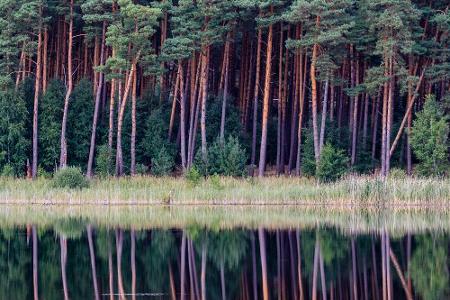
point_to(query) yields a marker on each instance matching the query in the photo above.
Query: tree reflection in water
(75, 260)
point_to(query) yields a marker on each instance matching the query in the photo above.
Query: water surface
(80, 257)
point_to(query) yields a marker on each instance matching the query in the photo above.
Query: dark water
(80, 261)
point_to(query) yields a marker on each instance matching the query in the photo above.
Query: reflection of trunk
(111, 273)
(292, 265)
(182, 265)
(133, 264)
(63, 245)
(375, 273)
(192, 271)
(119, 245)
(355, 277)
(255, 280)
(203, 273)
(92, 255)
(173, 292)
(322, 276)
(279, 282)
(408, 261)
(400, 274)
(299, 267)
(35, 263)
(366, 284)
(262, 249)
(222, 278)
(315, 270)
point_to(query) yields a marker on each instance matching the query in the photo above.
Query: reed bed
(351, 191)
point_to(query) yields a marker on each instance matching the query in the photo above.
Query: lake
(188, 252)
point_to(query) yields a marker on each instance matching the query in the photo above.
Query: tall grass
(351, 191)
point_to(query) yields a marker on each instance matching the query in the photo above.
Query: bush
(7, 171)
(397, 173)
(332, 165)
(227, 159)
(70, 177)
(163, 163)
(193, 176)
(105, 166)
(429, 139)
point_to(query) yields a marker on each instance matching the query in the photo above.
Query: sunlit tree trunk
(69, 87)
(37, 84)
(255, 96)
(266, 99)
(314, 97)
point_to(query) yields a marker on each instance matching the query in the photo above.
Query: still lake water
(76, 258)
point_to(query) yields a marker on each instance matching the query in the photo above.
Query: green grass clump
(70, 178)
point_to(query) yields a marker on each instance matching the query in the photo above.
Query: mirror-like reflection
(75, 260)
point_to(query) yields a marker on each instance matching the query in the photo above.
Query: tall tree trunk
(324, 115)
(133, 126)
(225, 91)
(123, 102)
(255, 96)
(44, 61)
(280, 100)
(63, 153)
(37, 85)
(96, 107)
(182, 116)
(266, 99)
(92, 256)
(204, 92)
(314, 97)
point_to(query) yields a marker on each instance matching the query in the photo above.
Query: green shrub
(227, 159)
(42, 173)
(141, 169)
(333, 164)
(429, 139)
(105, 166)
(71, 178)
(215, 182)
(7, 171)
(193, 176)
(163, 163)
(397, 173)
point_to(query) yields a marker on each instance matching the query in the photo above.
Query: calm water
(75, 260)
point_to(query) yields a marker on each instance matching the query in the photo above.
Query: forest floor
(349, 192)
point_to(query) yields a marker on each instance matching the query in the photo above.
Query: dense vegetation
(318, 88)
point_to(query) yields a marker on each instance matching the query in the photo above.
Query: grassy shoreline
(353, 191)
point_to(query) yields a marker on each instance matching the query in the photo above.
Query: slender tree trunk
(280, 100)
(266, 99)
(63, 153)
(92, 256)
(44, 61)
(96, 108)
(133, 126)
(324, 115)
(182, 117)
(314, 97)
(204, 85)
(174, 105)
(123, 102)
(225, 91)
(255, 96)
(37, 85)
